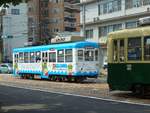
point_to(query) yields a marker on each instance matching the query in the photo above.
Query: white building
(15, 30)
(103, 16)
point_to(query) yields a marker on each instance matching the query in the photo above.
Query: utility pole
(1, 32)
(33, 32)
(83, 17)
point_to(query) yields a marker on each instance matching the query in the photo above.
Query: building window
(15, 11)
(30, 9)
(109, 7)
(45, 13)
(117, 27)
(104, 30)
(89, 33)
(146, 2)
(133, 3)
(137, 3)
(132, 24)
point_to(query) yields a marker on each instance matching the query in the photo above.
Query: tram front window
(115, 51)
(80, 55)
(134, 49)
(147, 48)
(89, 55)
(121, 51)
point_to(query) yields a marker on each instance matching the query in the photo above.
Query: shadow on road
(126, 95)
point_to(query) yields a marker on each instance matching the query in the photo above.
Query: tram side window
(38, 56)
(96, 55)
(89, 55)
(68, 55)
(134, 48)
(32, 57)
(21, 58)
(52, 57)
(147, 48)
(121, 51)
(60, 55)
(44, 57)
(80, 55)
(115, 51)
(26, 57)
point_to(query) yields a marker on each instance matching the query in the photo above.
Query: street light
(5, 46)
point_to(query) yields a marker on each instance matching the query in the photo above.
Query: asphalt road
(17, 100)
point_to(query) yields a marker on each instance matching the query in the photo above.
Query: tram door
(44, 63)
(119, 66)
(86, 61)
(15, 62)
(119, 51)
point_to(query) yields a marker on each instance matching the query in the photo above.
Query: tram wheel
(138, 89)
(69, 79)
(77, 79)
(31, 77)
(22, 76)
(50, 78)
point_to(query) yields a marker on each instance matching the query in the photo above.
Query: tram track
(98, 89)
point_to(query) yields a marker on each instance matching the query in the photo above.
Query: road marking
(69, 94)
(23, 107)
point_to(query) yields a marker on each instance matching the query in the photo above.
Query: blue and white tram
(67, 61)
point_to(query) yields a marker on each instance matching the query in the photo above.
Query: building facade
(52, 17)
(104, 16)
(15, 30)
(33, 21)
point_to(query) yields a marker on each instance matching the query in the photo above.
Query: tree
(5, 3)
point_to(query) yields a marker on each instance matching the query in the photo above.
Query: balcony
(69, 15)
(70, 24)
(68, 5)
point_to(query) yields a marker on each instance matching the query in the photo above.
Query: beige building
(47, 18)
(105, 16)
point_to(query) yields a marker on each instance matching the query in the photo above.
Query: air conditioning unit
(144, 21)
(148, 9)
(96, 19)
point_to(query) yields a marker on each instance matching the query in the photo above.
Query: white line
(91, 97)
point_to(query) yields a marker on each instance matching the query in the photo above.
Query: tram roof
(80, 44)
(134, 32)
